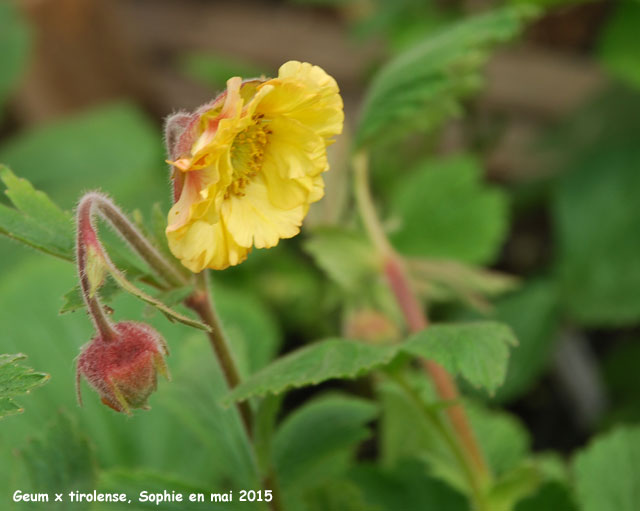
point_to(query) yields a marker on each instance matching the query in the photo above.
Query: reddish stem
(87, 238)
(445, 386)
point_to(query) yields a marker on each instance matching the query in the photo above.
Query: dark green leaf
(551, 496)
(406, 487)
(619, 45)
(314, 433)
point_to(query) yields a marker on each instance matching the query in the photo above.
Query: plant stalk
(416, 319)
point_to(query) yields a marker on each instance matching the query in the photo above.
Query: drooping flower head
(247, 166)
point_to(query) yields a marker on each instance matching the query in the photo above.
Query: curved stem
(415, 317)
(87, 240)
(138, 242)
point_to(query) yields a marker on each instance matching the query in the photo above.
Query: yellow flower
(248, 164)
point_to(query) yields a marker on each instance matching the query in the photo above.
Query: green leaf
(446, 212)
(63, 446)
(313, 364)
(337, 494)
(607, 472)
(512, 487)
(423, 86)
(504, 439)
(533, 314)
(598, 266)
(35, 219)
(406, 487)
(345, 256)
(72, 300)
(314, 433)
(619, 46)
(14, 48)
(478, 352)
(113, 147)
(551, 496)
(16, 380)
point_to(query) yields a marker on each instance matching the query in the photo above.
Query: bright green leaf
(424, 85)
(607, 472)
(313, 364)
(15, 380)
(446, 212)
(35, 219)
(478, 352)
(345, 256)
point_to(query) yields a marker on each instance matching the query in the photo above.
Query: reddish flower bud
(123, 370)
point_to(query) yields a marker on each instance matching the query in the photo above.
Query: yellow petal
(253, 220)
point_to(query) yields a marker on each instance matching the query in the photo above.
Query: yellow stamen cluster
(247, 153)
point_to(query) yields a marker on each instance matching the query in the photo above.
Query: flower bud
(371, 326)
(123, 370)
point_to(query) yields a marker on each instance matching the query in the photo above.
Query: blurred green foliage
(385, 451)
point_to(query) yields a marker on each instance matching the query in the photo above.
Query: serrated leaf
(311, 435)
(446, 212)
(72, 300)
(15, 380)
(478, 352)
(313, 364)
(424, 85)
(35, 219)
(607, 472)
(14, 48)
(345, 256)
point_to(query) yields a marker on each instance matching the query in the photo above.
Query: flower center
(247, 153)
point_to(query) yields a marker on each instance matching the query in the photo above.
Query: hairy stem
(138, 242)
(87, 239)
(414, 315)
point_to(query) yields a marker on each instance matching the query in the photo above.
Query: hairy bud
(123, 369)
